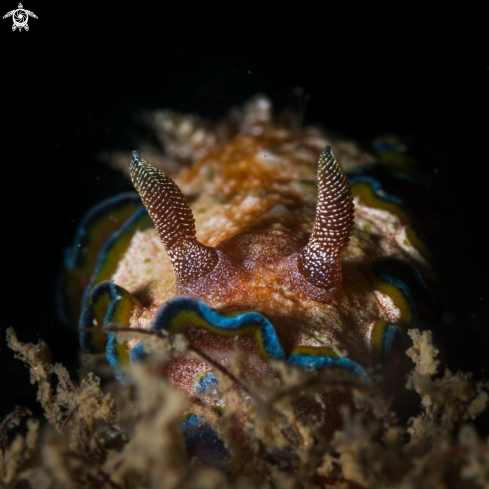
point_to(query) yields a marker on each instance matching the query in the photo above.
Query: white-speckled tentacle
(174, 221)
(320, 261)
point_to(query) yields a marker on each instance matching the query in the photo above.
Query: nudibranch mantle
(258, 207)
(239, 239)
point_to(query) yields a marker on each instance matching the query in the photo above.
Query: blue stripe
(326, 362)
(234, 324)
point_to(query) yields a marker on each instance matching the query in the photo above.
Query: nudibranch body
(255, 245)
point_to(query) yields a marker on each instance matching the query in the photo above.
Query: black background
(73, 85)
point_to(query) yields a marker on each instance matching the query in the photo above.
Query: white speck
(267, 157)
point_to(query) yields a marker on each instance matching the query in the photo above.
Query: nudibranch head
(254, 246)
(198, 267)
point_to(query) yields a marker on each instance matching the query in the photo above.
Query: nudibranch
(254, 245)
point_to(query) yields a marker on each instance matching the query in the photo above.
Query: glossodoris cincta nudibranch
(263, 244)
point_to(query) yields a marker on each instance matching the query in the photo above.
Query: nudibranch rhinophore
(254, 245)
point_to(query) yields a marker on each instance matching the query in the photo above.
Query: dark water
(74, 90)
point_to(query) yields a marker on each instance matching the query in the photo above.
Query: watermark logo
(20, 16)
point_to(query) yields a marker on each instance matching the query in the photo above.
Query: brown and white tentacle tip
(173, 220)
(320, 260)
